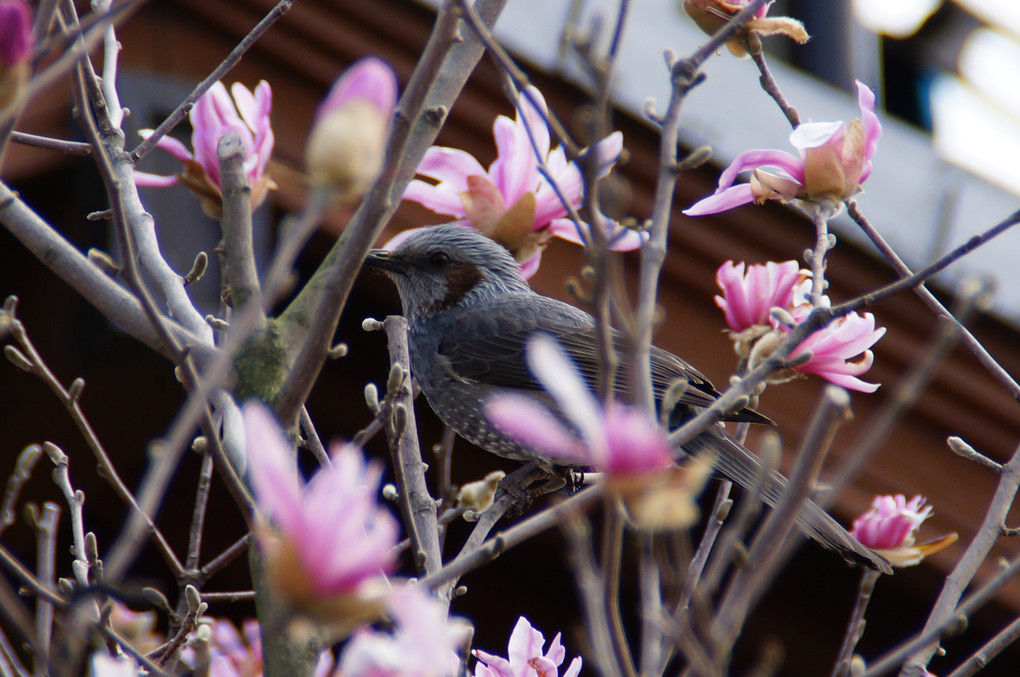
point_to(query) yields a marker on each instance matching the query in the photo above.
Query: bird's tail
(735, 462)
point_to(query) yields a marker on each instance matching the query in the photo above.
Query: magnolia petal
(557, 652)
(814, 134)
(623, 239)
(525, 643)
(492, 665)
(520, 144)
(531, 424)
(734, 196)
(483, 204)
(440, 199)
(850, 382)
(608, 152)
(780, 25)
(170, 145)
(754, 159)
(558, 375)
(530, 266)
(515, 169)
(450, 165)
(531, 108)
(245, 102)
(272, 466)
(569, 230)
(574, 669)
(146, 180)
(513, 228)
(872, 126)
(370, 79)
(548, 205)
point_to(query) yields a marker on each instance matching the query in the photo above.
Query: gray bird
(470, 315)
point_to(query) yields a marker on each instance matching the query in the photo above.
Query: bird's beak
(384, 260)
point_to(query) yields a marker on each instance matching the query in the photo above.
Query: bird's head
(440, 267)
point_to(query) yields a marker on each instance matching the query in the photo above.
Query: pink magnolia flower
(618, 439)
(711, 15)
(17, 42)
(214, 115)
(424, 644)
(345, 148)
(332, 536)
(230, 653)
(525, 657)
(839, 352)
(749, 295)
(512, 202)
(835, 159)
(890, 529)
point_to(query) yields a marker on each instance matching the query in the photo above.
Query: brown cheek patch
(460, 279)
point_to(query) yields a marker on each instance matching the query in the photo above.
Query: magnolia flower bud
(16, 45)
(345, 148)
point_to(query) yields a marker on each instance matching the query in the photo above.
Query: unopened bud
(396, 377)
(198, 269)
(372, 397)
(16, 47)
(74, 392)
(345, 148)
(18, 359)
(103, 261)
(476, 497)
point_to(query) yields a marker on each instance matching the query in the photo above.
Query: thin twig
(651, 609)
(73, 407)
(222, 597)
(612, 561)
(213, 566)
(983, 656)
(589, 584)
(979, 351)
(45, 525)
(312, 441)
(766, 551)
(75, 501)
(198, 513)
(771, 87)
(10, 665)
(947, 605)
(918, 278)
(518, 78)
(49, 143)
(418, 505)
(816, 257)
(931, 634)
(31, 583)
(175, 117)
(855, 626)
(23, 467)
(478, 551)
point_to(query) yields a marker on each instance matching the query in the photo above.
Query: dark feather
(491, 349)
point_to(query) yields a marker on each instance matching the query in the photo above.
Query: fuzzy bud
(345, 149)
(16, 46)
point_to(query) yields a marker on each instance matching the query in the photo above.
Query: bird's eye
(439, 259)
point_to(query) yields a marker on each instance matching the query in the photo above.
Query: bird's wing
(490, 346)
